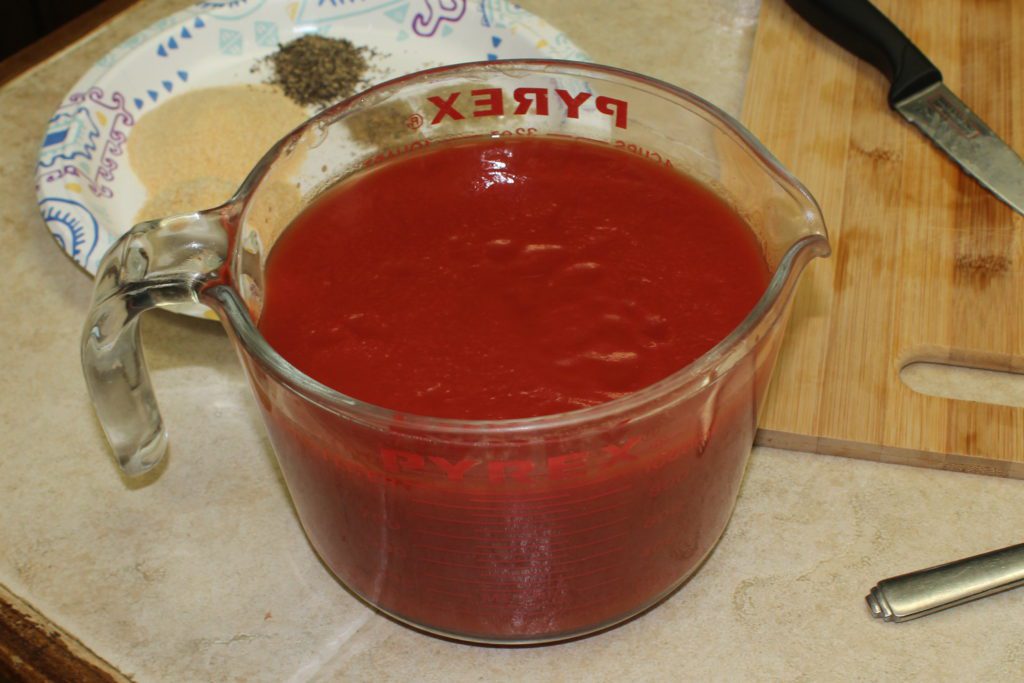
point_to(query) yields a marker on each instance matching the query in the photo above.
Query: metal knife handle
(919, 593)
(858, 26)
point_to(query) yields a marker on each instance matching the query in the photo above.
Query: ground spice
(186, 196)
(316, 70)
(194, 150)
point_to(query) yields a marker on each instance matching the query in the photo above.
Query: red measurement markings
(540, 578)
(550, 520)
(523, 547)
(572, 532)
(516, 593)
(502, 566)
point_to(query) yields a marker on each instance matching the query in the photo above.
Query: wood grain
(34, 651)
(926, 264)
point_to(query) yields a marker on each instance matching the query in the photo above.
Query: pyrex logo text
(491, 102)
(576, 464)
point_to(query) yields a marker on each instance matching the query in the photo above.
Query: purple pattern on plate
(438, 11)
(103, 120)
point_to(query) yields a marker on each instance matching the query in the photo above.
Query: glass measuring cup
(509, 531)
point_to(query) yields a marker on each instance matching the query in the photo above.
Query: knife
(918, 93)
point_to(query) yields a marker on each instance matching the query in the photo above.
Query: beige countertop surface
(203, 573)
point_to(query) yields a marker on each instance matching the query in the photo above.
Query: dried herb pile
(317, 70)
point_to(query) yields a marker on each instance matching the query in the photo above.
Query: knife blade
(918, 93)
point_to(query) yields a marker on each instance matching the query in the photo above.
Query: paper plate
(89, 195)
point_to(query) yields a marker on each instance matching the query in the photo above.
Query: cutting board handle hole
(946, 379)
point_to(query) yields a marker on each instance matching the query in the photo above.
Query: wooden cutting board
(926, 265)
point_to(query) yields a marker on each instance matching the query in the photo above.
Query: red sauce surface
(508, 278)
(499, 279)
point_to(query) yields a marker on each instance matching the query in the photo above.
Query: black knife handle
(858, 26)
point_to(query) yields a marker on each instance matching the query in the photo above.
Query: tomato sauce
(507, 278)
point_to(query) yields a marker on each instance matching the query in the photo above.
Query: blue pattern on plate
(72, 225)
(163, 49)
(266, 33)
(398, 13)
(230, 41)
(71, 134)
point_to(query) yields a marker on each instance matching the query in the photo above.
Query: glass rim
(696, 375)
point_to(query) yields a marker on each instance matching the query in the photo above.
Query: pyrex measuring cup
(524, 530)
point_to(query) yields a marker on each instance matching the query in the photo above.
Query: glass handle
(156, 264)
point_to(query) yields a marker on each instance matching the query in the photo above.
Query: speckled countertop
(204, 574)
